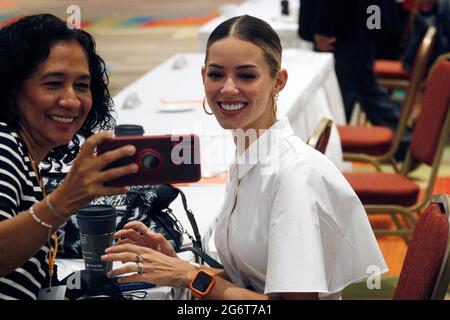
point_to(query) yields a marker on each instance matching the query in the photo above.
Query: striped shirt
(19, 190)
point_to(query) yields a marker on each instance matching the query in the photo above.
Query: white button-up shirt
(291, 222)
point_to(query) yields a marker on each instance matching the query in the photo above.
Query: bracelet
(42, 223)
(53, 210)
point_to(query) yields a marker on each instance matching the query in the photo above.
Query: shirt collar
(265, 146)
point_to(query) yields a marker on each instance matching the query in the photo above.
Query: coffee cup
(97, 224)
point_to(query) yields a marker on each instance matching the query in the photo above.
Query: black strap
(197, 243)
(205, 257)
(197, 247)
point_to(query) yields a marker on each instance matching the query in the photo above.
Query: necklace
(53, 251)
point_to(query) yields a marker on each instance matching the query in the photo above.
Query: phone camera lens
(149, 161)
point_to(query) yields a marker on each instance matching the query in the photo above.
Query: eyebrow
(244, 66)
(61, 74)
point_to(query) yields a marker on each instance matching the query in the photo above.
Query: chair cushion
(424, 257)
(383, 188)
(391, 69)
(373, 140)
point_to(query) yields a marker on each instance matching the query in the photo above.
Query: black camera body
(164, 159)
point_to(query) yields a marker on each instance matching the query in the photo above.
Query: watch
(202, 283)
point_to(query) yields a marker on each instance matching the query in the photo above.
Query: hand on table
(158, 268)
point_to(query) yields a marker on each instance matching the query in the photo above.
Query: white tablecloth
(68, 267)
(268, 10)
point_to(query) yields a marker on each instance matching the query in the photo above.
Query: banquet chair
(425, 272)
(321, 134)
(392, 75)
(378, 144)
(397, 193)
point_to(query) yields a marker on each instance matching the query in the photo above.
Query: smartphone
(164, 159)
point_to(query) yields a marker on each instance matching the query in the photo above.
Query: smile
(232, 106)
(62, 119)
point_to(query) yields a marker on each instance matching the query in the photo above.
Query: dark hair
(253, 30)
(27, 43)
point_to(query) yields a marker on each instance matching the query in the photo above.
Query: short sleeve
(295, 261)
(320, 239)
(10, 175)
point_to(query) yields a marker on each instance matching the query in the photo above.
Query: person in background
(342, 29)
(291, 227)
(53, 91)
(431, 13)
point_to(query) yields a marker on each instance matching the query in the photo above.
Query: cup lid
(97, 211)
(129, 130)
(97, 219)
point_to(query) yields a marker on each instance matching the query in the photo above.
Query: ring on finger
(140, 267)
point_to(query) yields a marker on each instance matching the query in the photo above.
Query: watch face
(202, 281)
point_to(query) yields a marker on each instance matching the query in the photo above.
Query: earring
(204, 108)
(275, 100)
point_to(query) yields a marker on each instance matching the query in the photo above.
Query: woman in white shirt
(291, 226)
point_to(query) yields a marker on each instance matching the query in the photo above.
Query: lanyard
(53, 251)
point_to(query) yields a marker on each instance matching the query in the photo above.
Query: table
(268, 10)
(67, 267)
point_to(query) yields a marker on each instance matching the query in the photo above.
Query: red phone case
(162, 159)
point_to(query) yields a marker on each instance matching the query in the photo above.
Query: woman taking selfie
(53, 89)
(291, 227)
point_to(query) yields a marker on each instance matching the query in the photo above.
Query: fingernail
(131, 149)
(109, 274)
(103, 257)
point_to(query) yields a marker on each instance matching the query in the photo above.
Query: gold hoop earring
(204, 108)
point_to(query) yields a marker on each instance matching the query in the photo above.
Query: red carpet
(442, 185)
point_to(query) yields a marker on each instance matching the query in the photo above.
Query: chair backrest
(432, 121)
(321, 134)
(419, 68)
(425, 273)
(417, 75)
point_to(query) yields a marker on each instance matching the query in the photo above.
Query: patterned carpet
(177, 20)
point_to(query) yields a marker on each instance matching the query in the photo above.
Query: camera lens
(149, 161)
